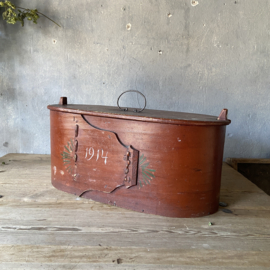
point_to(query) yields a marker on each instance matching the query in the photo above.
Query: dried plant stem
(41, 14)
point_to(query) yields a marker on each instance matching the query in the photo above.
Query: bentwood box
(157, 162)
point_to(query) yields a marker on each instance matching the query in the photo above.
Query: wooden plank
(132, 256)
(101, 266)
(85, 228)
(233, 162)
(256, 170)
(183, 239)
(43, 228)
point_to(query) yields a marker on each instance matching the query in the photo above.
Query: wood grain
(177, 173)
(156, 116)
(133, 255)
(101, 266)
(233, 162)
(44, 228)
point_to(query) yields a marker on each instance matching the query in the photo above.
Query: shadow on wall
(11, 97)
(243, 147)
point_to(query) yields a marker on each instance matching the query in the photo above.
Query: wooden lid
(155, 116)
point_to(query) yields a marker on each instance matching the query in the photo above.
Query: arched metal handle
(135, 110)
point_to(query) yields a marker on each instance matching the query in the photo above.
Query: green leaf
(142, 161)
(151, 170)
(149, 173)
(13, 14)
(72, 143)
(9, 4)
(65, 156)
(146, 176)
(146, 182)
(68, 149)
(145, 165)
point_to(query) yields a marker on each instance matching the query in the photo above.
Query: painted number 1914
(90, 153)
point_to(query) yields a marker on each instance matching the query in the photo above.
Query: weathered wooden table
(44, 228)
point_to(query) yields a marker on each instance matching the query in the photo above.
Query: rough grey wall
(183, 55)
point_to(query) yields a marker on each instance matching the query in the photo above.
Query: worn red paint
(157, 162)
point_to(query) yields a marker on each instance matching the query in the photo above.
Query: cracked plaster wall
(194, 56)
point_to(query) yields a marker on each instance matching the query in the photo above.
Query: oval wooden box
(156, 162)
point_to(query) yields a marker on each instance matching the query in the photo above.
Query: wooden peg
(223, 115)
(63, 101)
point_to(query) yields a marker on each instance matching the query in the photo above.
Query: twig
(41, 14)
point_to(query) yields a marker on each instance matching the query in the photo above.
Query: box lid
(147, 115)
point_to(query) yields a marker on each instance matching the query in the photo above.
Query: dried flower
(13, 14)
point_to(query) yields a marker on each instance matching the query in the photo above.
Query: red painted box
(156, 162)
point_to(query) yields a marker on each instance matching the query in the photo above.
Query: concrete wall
(183, 55)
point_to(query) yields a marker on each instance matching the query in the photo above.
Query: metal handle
(135, 110)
